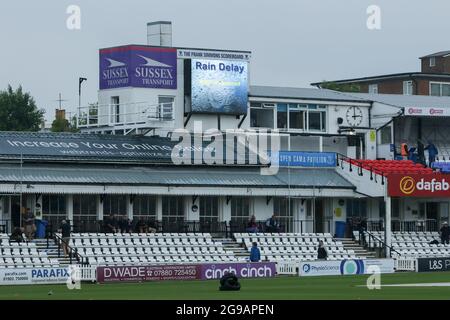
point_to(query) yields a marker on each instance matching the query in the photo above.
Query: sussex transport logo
(407, 185)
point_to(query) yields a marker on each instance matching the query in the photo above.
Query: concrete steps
(52, 251)
(231, 245)
(360, 252)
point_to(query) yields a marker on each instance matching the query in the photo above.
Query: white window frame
(408, 87)
(440, 87)
(432, 61)
(265, 106)
(373, 88)
(306, 111)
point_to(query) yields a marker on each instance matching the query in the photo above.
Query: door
(115, 109)
(15, 212)
(318, 216)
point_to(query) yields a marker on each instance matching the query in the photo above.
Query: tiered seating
(414, 244)
(386, 167)
(153, 248)
(294, 246)
(22, 255)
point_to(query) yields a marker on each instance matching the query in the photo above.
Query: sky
(293, 42)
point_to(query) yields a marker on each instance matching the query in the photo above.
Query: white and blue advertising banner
(305, 159)
(344, 267)
(17, 276)
(219, 86)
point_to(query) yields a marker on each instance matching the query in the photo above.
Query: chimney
(159, 33)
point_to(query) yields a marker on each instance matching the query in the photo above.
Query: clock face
(354, 116)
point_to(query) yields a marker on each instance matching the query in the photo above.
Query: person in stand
(255, 254)
(17, 235)
(151, 226)
(30, 227)
(421, 153)
(272, 224)
(432, 153)
(65, 235)
(110, 224)
(445, 233)
(404, 151)
(142, 226)
(362, 230)
(322, 253)
(252, 226)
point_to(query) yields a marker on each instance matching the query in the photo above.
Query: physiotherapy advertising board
(344, 267)
(305, 159)
(419, 185)
(138, 66)
(218, 86)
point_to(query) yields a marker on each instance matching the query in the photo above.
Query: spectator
(17, 235)
(404, 151)
(322, 253)
(255, 254)
(30, 227)
(252, 226)
(445, 233)
(349, 229)
(272, 224)
(432, 153)
(142, 226)
(421, 153)
(110, 224)
(65, 235)
(151, 227)
(362, 230)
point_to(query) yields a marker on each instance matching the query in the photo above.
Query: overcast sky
(293, 42)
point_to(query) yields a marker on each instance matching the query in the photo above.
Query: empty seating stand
(152, 248)
(415, 244)
(294, 247)
(386, 167)
(23, 255)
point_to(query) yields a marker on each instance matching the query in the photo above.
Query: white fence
(87, 273)
(405, 264)
(286, 268)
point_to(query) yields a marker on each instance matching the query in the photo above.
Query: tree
(18, 111)
(343, 87)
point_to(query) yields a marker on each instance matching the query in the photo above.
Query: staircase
(237, 248)
(52, 251)
(360, 252)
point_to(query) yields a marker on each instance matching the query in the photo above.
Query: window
(240, 209)
(144, 207)
(297, 117)
(209, 209)
(385, 135)
(407, 87)
(166, 106)
(439, 89)
(284, 211)
(306, 117)
(115, 204)
(261, 115)
(54, 209)
(356, 208)
(282, 116)
(172, 208)
(373, 88)
(84, 212)
(115, 109)
(432, 61)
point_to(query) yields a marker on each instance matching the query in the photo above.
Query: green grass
(327, 287)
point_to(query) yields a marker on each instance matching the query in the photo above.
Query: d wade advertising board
(419, 185)
(138, 66)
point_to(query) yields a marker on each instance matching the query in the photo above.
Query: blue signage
(306, 159)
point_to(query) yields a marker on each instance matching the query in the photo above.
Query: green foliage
(343, 87)
(18, 111)
(63, 125)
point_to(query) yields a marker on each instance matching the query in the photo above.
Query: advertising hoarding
(419, 185)
(427, 112)
(206, 271)
(138, 66)
(433, 264)
(18, 276)
(344, 267)
(305, 159)
(219, 86)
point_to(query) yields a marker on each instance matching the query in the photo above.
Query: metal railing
(129, 114)
(4, 226)
(373, 243)
(397, 225)
(355, 164)
(72, 252)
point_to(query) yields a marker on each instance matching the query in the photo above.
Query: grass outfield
(328, 287)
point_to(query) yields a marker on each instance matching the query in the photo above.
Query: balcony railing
(123, 114)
